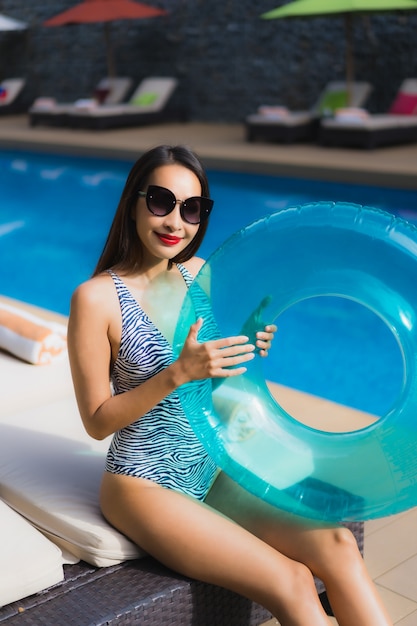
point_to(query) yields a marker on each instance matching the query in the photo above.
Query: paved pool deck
(224, 146)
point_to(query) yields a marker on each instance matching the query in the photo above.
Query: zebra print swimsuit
(160, 445)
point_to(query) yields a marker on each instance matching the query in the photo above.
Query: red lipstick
(168, 240)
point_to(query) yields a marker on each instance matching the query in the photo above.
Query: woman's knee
(300, 578)
(338, 546)
(344, 541)
(296, 593)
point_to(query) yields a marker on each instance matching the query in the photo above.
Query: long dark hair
(123, 249)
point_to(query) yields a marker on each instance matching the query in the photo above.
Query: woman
(160, 487)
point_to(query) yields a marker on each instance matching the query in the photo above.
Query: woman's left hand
(264, 339)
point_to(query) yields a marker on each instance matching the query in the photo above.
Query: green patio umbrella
(346, 8)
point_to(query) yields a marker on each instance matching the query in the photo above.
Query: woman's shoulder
(194, 265)
(94, 291)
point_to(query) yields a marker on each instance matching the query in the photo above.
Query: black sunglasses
(161, 201)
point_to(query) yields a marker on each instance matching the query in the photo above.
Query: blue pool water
(55, 213)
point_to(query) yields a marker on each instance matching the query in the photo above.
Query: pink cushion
(404, 104)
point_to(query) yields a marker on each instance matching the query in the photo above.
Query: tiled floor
(390, 544)
(391, 558)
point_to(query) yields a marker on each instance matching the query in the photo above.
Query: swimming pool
(55, 213)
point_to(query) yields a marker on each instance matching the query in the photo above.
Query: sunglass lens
(192, 210)
(160, 201)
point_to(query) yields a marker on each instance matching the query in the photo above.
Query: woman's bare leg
(193, 539)
(331, 553)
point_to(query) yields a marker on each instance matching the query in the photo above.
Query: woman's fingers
(226, 357)
(195, 329)
(228, 353)
(264, 339)
(230, 345)
(223, 357)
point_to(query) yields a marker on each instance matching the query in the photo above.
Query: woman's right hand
(218, 358)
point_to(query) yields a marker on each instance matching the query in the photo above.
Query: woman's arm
(94, 326)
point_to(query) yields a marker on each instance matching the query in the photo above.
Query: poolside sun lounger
(398, 126)
(149, 104)
(109, 91)
(278, 124)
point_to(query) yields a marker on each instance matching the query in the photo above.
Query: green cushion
(145, 99)
(331, 101)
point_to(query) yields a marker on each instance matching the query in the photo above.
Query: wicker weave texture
(138, 592)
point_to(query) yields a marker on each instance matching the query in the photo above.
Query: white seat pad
(50, 472)
(29, 561)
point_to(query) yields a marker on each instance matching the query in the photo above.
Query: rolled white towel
(29, 337)
(351, 115)
(273, 112)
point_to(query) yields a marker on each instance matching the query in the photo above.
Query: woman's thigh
(307, 541)
(193, 538)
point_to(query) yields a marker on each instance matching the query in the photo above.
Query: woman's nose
(174, 220)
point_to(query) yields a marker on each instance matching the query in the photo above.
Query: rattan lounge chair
(398, 126)
(108, 91)
(278, 124)
(151, 103)
(136, 592)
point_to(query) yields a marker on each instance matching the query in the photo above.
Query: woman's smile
(168, 240)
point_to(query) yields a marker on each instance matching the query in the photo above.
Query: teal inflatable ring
(337, 249)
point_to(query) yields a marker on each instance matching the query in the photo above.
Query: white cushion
(376, 121)
(294, 118)
(50, 472)
(44, 103)
(160, 87)
(352, 115)
(29, 562)
(24, 385)
(12, 86)
(273, 112)
(409, 85)
(52, 107)
(118, 87)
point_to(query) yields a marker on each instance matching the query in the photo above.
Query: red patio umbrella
(106, 11)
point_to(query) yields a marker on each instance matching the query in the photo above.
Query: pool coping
(223, 146)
